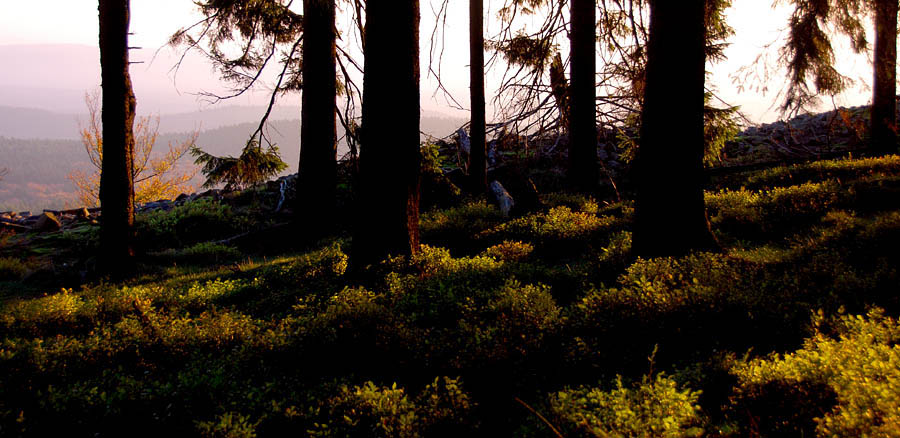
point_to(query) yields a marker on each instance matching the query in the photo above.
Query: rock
(47, 222)
(10, 226)
(163, 204)
(78, 213)
(215, 194)
(465, 144)
(504, 201)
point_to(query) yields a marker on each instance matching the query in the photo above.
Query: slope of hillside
(535, 325)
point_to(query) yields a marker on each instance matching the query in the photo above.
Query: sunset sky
(75, 22)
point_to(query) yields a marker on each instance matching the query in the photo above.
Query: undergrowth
(541, 324)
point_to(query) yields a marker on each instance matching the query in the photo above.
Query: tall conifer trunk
(583, 171)
(670, 215)
(884, 105)
(116, 181)
(318, 139)
(387, 220)
(478, 154)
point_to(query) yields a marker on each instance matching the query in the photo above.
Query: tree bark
(116, 182)
(883, 121)
(315, 201)
(583, 170)
(670, 214)
(478, 154)
(387, 220)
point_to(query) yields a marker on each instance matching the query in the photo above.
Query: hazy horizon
(756, 24)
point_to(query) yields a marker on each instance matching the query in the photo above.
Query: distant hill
(19, 122)
(38, 168)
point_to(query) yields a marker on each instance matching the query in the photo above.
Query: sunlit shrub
(52, 311)
(614, 257)
(574, 201)
(200, 295)
(859, 366)
(559, 226)
(816, 171)
(228, 425)
(652, 409)
(514, 324)
(437, 288)
(279, 285)
(510, 251)
(378, 411)
(779, 208)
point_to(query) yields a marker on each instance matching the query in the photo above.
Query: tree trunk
(884, 104)
(670, 214)
(478, 153)
(583, 171)
(116, 183)
(387, 220)
(315, 202)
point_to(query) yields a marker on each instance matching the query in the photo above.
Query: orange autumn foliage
(155, 176)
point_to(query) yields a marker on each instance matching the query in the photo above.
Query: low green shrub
(816, 171)
(574, 201)
(204, 253)
(514, 325)
(616, 255)
(744, 211)
(654, 408)
(228, 425)
(510, 251)
(438, 286)
(369, 410)
(190, 223)
(456, 225)
(842, 384)
(559, 231)
(12, 269)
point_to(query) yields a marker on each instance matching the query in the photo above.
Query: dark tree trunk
(387, 220)
(583, 171)
(884, 105)
(670, 214)
(478, 154)
(318, 140)
(116, 183)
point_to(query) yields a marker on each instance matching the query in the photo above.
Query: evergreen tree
(478, 153)
(118, 111)
(307, 45)
(318, 142)
(670, 214)
(583, 171)
(387, 220)
(809, 58)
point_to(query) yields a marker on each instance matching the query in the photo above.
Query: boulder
(9, 226)
(504, 201)
(46, 222)
(78, 213)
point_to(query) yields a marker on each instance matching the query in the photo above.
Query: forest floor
(539, 324)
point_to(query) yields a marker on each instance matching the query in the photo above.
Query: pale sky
(153, 21)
